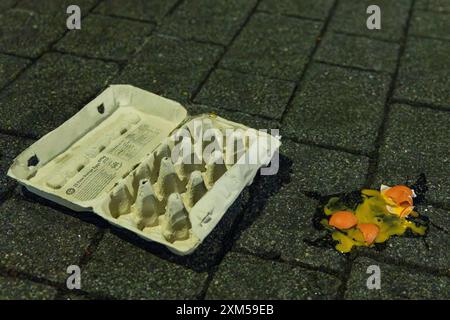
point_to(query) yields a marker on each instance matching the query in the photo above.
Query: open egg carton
(140, 162)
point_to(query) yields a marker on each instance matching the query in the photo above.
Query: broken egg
(374, 218)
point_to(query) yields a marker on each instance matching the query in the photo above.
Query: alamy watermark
(73, 22)
(374, 280)
(374, 20)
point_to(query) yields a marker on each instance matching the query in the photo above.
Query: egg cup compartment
(140, 162)
(158, 195)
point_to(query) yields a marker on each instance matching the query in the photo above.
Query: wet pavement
(355, 108)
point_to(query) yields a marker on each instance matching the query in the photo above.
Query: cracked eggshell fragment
(370, 231)
(399, 199)
(343, 220)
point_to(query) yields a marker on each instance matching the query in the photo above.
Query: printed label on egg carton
(140, 162)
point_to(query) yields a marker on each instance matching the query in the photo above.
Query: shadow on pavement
(240, 215)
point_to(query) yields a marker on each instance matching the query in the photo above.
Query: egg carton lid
(87, 190)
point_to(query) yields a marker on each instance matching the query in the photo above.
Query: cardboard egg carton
(139, 161)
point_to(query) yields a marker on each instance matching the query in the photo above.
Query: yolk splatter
(375, 223)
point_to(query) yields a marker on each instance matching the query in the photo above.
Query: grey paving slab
(281, 225)
(351, 17)
(58, 8)
(396, 283)
(322, 170)
(39, 240)
(339, 107)
(355, 51)
(244, 118)
(246, 277)
(433, 5)
(423, 74)
(316, 9)
(250, 94)
(416, 141)
(199, 20)
(273, 46)
(106, 37)
(170, 67)
(124, 271)
(430, 252)
(430, 24)
(439, 217)
(27, 33)
(148, 10)
(10, 147)
(6, 4)
(17, 289)
(51, 91)
(10, 67)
